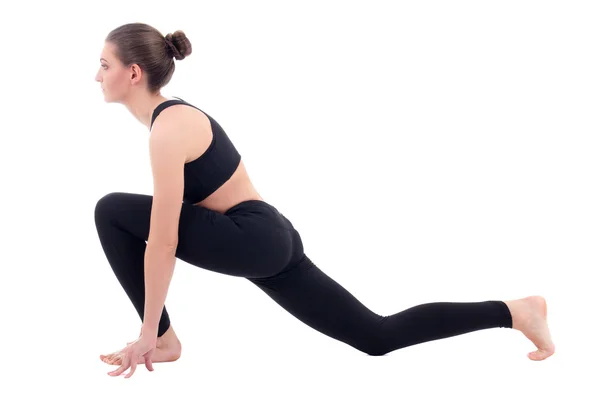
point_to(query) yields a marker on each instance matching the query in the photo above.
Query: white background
(426, 151)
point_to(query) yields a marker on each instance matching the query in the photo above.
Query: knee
(373, 343)
(377, 351)
(374, 348)
(106, 206)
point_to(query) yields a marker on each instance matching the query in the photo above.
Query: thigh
(206, 238)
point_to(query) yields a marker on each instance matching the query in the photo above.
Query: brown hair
(142, 44)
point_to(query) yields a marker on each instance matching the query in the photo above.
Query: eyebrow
(103, 59)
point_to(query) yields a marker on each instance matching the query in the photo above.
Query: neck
(142, 107)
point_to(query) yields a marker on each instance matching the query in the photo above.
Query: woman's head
(138, 54)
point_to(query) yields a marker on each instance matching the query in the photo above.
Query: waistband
(250, 203)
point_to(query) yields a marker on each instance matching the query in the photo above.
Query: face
(115, 79)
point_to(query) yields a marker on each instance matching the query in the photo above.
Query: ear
(135, 74)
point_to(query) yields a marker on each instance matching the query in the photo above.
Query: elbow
(163, 246)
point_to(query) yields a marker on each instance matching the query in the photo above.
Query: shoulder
(182, 122)
(168, 117)
(167, 134)
(179, 128)
(171, 123)
(180, 116)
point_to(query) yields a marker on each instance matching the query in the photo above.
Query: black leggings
(253, 240)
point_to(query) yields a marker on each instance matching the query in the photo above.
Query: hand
(144, 346)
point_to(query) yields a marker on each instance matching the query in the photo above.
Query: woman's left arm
(167, 157)
(159, 264)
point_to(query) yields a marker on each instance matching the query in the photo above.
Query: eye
(104, 66)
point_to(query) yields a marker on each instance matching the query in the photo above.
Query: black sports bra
(213, 168)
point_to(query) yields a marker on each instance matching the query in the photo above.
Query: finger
(132, 370)
(122, 368)
(149, 362)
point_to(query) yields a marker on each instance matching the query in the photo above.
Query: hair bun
(178, 45)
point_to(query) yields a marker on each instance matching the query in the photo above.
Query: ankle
(514, 306)
(169, 338)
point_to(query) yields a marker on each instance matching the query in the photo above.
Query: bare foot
(530, 317)
(168, 349)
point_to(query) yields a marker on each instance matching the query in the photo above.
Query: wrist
(149, 333)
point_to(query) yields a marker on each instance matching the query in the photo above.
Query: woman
(206, 211)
